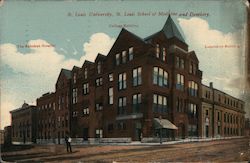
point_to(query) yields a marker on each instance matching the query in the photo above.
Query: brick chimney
(211, 84)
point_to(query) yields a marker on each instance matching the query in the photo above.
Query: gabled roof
(170, 30)
(87, 62)
(128, 33)
(193, 55)
(100, 57)
(66, 72)
(132, 34)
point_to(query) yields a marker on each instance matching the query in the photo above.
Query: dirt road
(220, 150)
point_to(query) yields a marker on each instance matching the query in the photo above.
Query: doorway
(207, 131)
(85, 133)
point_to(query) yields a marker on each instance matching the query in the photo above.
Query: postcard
(124, 81)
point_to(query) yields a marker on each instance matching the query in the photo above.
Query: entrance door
(85, 133)
(181, 131)
(58, 137)
(207, 131)
(138, 131)
(137, 134)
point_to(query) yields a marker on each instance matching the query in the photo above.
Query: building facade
(123, 94)
(222, 114)
(24, 124)
(46, 124)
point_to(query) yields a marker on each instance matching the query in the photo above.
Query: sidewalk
(187, 140)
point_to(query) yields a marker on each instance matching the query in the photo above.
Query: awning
(164, 123)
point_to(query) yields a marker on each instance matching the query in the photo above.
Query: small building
(7, 135)
(24, 124)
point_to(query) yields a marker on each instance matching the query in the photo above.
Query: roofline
(222, 92)
(19, 109)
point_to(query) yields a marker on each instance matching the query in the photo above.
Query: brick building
(222, 114)
(140, 83)
(24, 124)
(47, 118)
(143, 89)
(54, 111)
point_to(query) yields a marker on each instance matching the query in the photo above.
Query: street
(219, 150)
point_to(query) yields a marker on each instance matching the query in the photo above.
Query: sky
(38, 38)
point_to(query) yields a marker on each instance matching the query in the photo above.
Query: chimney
(211, 84)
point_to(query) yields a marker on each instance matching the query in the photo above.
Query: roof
(132, 34)
(67, 73)
(24, 107)
(164, 123)
(100, 57)
(170, 30)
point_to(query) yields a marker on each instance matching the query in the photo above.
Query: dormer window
(99, 66)
(74, 78)
(124, 56)
(85, 73)
(164, 54)
(117, 59)
(157, 50)
(131, 53)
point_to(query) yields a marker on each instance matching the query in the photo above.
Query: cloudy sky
(28, 72)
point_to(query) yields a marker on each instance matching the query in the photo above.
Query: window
(121, 126)
(74, 115)
(192, 130)
(111, 77)
(164, 54)
(193, 88)
(122, 103)
(98, 133)
(159, 103)
(99, 66)
(136, 103)
(85, 88)
(160, 77)
(124, 56)
(110, 127)
(117, 59)
(180, 82)
(122, 81)
(206, 112)
(86, 111)
(192, 68)
(180, 105)
(59, 102)
(219, 98)
(218, 116)
(180, 63)
(74, 78)
(74, 96)
(192, 110)
(131, 53)
(98, 82)
(98, 106)
(111, 95)
(157, 50)
(85, 73)
(137, 78)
